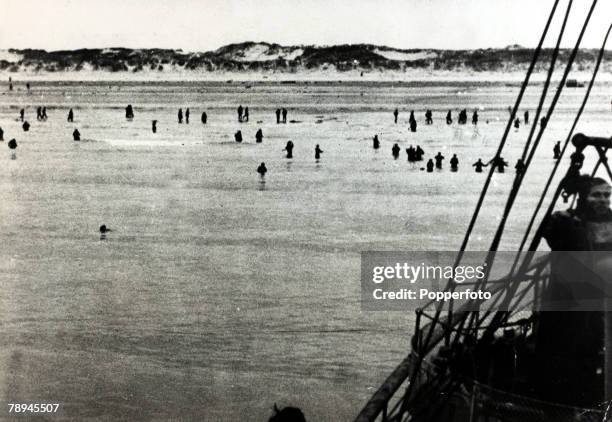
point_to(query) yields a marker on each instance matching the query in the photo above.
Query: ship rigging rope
(519, 176)
(483, 192)
(536, 240)
(524, 85)
(511, 288)
(473, 317)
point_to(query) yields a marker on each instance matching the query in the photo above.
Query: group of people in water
(462, 118)
(414, 154)
(278, 115)
(498, 162)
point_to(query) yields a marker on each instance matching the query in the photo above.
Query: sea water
(217, 293)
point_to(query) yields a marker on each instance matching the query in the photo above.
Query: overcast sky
(202, 25)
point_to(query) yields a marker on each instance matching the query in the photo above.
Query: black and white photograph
(306, 210)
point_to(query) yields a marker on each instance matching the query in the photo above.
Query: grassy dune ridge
(264, 57)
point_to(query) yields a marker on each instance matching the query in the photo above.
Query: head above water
(594, 196)
(287, 414)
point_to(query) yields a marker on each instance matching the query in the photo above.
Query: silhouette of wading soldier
(259, 136)
(439, 158)
(278, 114)
(395, 151)
(454, 163)
(204, 117)
(180, 115)
(289, 149)
(499, 163)
(238, 136)
(395, 114)
(284, 115)
(428, 117)
(262, 170)
(557, 150)
(318, 152)
(375, 142)
(240, 109)
(479, 165)
(70, 116)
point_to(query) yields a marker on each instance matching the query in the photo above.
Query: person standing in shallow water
(284, 115)
(180, 115)
(454, 163)
(479, 165)
(259, 136)
(187, 116)
(375, 142)
(413, 125)
(70, 116)
(526, 117)
(430, 166)
(428, 117)
(520, 167)
(395, 151)
(76, 135)
(204, 117)
(289, 149)
(395, 114)
(154, 126)
(22, 114)
(557, 150)
(246, 114)
(278, 114)
(439, 157)
(318, 152)
(449, 118)
(238, 136)
(240, 109)
(262, 170)
(1, 134)
(499, 163)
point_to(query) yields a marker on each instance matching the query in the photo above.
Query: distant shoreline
(287, 77)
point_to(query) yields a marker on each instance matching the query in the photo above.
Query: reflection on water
(262, 183)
